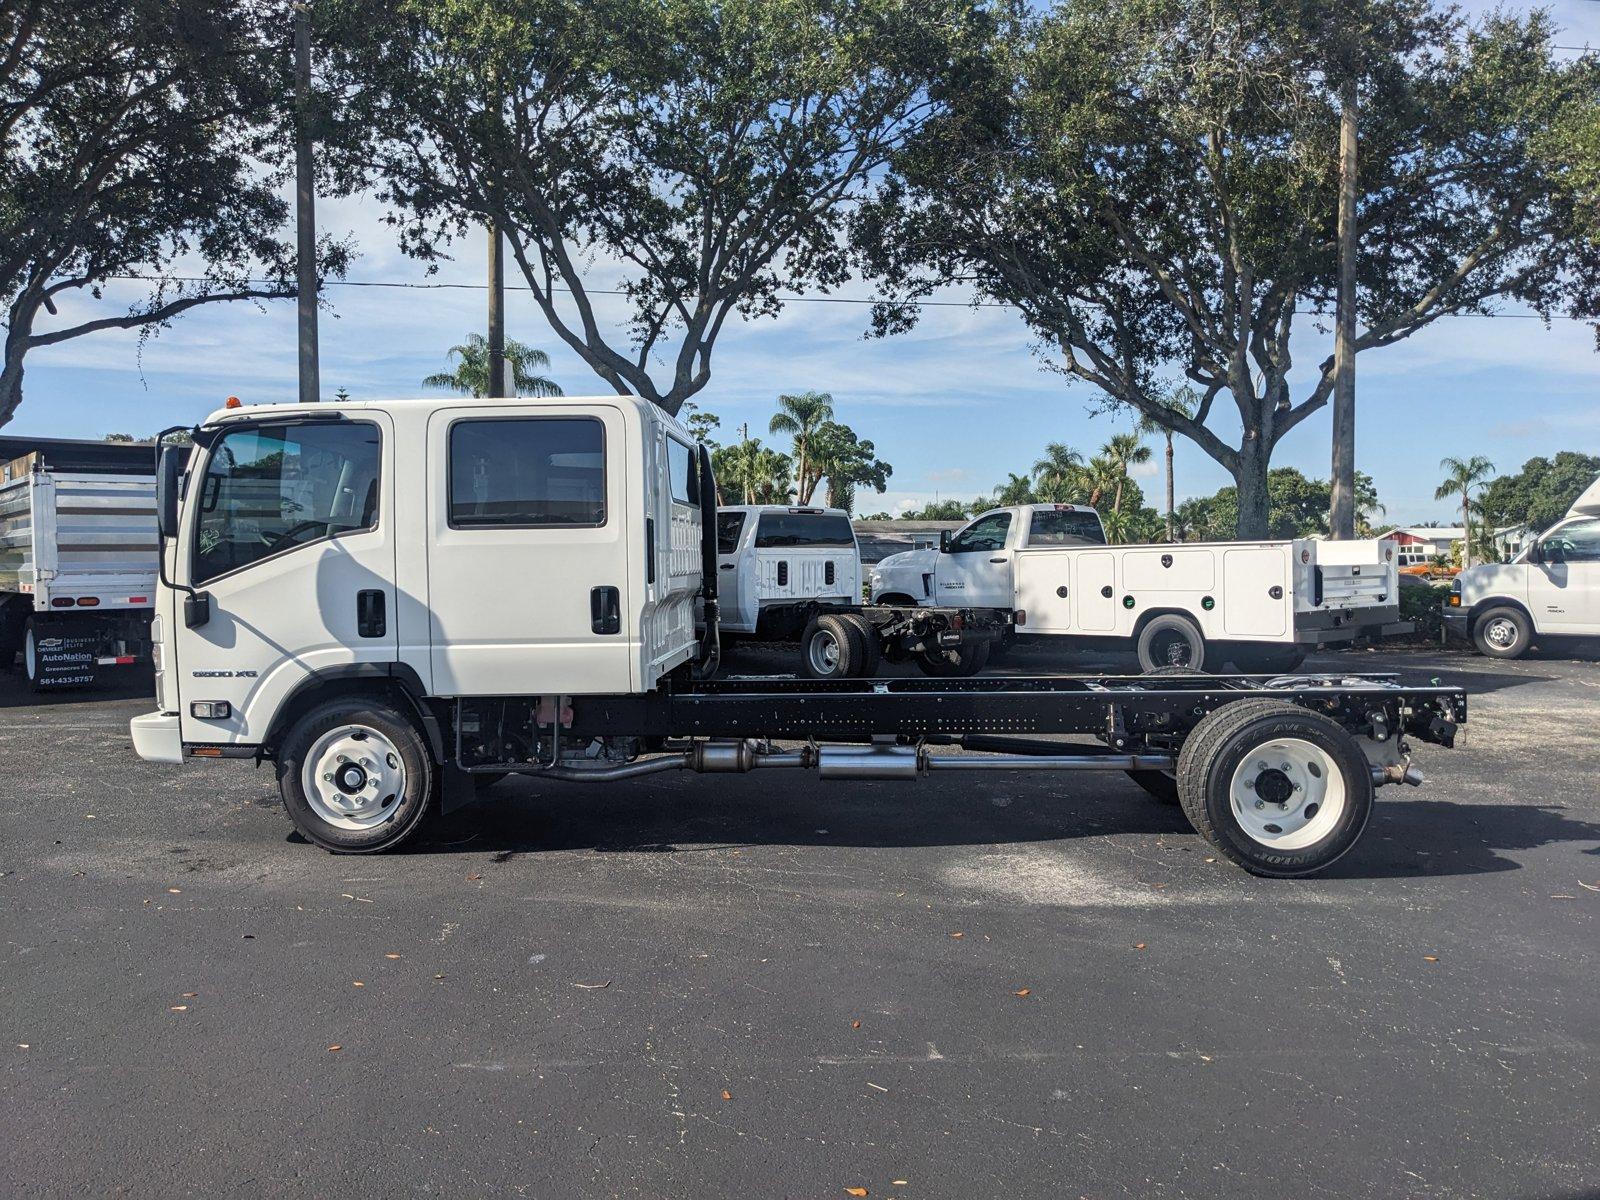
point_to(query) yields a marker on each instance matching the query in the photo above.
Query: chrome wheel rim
(1501, 633)
(1288, 794)
(354, 777)
(823, 653)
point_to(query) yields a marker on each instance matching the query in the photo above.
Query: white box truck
(1259, 605)
(391, 602)
(1549, 592)
(77, 558)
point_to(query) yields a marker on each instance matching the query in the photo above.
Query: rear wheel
(871, 655)
(960, 661)
(1276, 789)
(356, 776)
(831, 648)
(1171, 640)
(1503, 632)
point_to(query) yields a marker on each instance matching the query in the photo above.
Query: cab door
(292, 543)
(529, 576)
(731, 523)
(974, 571)
(1564, 596)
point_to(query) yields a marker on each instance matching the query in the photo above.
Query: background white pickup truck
(776, 563)
(1550, 590)
(1259, 605)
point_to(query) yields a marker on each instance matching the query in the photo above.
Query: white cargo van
(1549, 591)
(1259, 605)
(775, 564)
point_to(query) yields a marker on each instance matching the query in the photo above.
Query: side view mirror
(1552, 554)
(169, 478)
(944, 541)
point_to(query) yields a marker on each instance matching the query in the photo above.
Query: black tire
(30, 655)
(1171, 640)
(1502, 632)
(871, 654)
(13, 617)
(965, 660)
(1220, 745)
(831, 648)
(1258, 659)
(397, 820)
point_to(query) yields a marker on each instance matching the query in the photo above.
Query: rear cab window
(1065, 527)
(802, 529)
(729, 526)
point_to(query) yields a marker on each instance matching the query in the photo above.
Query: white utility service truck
(392, 601)
(777, 564)
(77, 558)
(1550, 591)
(1259, 605)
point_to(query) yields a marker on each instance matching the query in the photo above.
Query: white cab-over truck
(1548, 592)
(393, 602)
(1259, 605)
(777, 563)
(77, 558)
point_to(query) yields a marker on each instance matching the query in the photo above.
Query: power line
(792, 299)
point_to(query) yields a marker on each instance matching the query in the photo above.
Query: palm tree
(752, 472)
(1462, 478)
(1180, 400)
(800, 415)
(1101, 474)
(1017, 489)
(1057, 473)
(1124, 450)
(471, 376)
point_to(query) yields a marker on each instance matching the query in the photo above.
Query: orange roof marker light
(233, 402)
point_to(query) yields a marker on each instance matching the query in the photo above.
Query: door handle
(997, 560)
(725, 567)
(605, 610)
(371, 618)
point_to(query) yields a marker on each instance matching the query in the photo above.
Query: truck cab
(974, 566)
(777, 562)
(1550, 590)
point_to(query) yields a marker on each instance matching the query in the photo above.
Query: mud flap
(456, 789)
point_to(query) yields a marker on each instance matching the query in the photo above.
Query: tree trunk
(1466, 528)
(1172, 534)
(305, 211)
(497, 315)
(17, 335)
(1342, 510)
(1250, 478)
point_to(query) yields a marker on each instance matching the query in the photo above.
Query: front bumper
(1326, 627)
(156, 737)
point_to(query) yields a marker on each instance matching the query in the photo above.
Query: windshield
(270, 489)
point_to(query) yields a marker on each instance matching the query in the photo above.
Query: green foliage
(847, 462)
(1298, 507)
(1058, 476)
(1539, 495)
(700, 423)
(748, 473)
(938, 510)
(801, 415)
(135, 137)
(707, 151)
(1017, 489)
(471, 376)
(1422, 603)
(1154, 182)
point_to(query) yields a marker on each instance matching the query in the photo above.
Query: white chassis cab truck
(1259, 605)
(77, 558)
(393, 602)
(1549, 592)
(776, 564)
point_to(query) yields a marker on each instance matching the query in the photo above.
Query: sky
(953, 406)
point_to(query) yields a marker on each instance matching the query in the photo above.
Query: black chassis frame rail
(1119, 710)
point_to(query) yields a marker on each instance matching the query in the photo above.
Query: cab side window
(729, 526)
(1579, 541)
(527, 473)
(271, 489)
(986, 533)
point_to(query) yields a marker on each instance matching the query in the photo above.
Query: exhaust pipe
(1397, 773)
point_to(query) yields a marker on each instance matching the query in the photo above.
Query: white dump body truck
(396, 603)
(777, 563)
(77, 558)
(1259, 605)
(1549, 592)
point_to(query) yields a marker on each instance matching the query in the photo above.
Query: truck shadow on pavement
(1406, 839)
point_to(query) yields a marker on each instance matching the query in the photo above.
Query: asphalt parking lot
(757, 986)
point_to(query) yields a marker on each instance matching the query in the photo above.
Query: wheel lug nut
(328, 776)
(1261, 803)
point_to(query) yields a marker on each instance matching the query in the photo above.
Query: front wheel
(1276, 789)
(1503, 632)
(356, 776)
